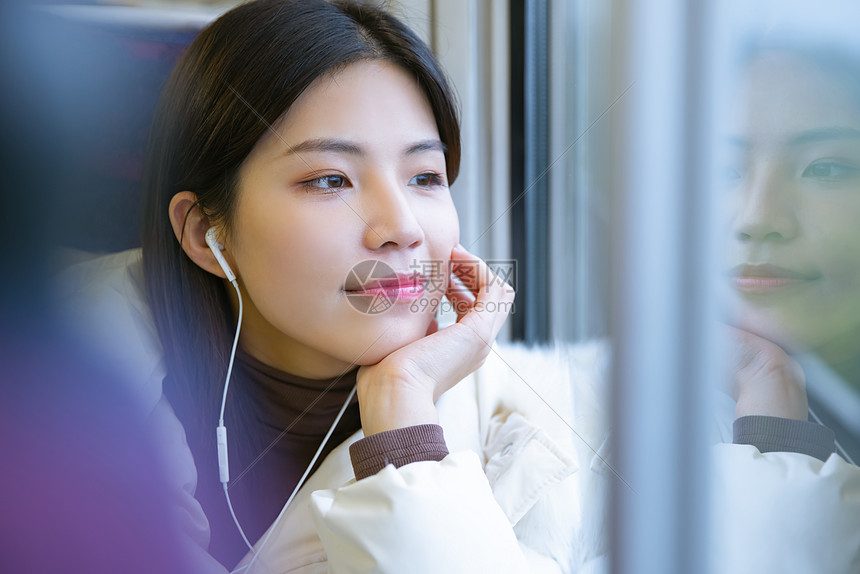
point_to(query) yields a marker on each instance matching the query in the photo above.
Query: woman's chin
(383, 344)
(777, 332)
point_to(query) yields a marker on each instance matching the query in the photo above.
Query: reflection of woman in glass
(794, 255)
(788, 503)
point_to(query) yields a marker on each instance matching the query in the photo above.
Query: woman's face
(794, 252)
(354, 171)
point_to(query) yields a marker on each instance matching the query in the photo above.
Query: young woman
(317, 141)
(794, 251)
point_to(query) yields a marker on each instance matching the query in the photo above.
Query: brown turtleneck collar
(281, 400)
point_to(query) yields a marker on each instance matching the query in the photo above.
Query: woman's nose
(390, 217)
(766, 211)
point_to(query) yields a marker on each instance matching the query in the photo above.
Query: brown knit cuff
(398, 447)
(774, 434)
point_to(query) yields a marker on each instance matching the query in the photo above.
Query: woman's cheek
(449, 227)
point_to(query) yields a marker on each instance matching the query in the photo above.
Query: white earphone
(216, 248)
(221, 431)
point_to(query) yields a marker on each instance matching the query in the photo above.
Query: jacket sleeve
(424, 517)
(398, 447)
(784, 512)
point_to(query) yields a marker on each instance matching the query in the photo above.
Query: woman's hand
(765, 380)
(401, 390)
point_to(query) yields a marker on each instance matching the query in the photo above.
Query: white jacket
(509, 497)
(525, 486)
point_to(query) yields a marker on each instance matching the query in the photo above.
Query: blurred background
(651, 172)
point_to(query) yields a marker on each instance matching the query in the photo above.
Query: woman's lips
(767, 278)
(402, 286)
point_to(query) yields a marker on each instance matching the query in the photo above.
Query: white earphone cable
(223, 466)
(232, 353)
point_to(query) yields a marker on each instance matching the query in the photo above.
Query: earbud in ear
(216, 248)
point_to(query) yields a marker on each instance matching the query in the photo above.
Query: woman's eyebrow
(346, 147)
(425, 146)
(324, 145)
(806, 137)
(824, 134)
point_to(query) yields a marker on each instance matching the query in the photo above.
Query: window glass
(787, 185)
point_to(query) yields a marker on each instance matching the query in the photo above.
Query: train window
(733, 311)
(663, 193)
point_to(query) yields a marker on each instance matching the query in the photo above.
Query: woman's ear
(190, 226)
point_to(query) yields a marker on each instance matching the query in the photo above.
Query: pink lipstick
(402, 286)
(766, 278)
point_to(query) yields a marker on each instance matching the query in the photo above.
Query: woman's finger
(469, 268)
(493, 297)
(460, 297)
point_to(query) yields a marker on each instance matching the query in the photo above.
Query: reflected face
(794, 179)
(356, 171)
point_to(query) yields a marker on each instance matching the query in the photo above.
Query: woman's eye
(831, 171)
(327, 182)
(427, 179)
